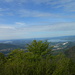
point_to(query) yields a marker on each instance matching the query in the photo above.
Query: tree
(62, 65)
(39, 54)
(2, 61)
(39, 48)
(38, 60)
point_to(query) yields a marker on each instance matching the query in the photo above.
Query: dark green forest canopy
(38, 60)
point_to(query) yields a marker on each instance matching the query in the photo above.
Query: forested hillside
(38, 60)
(71, 53)
(7, 46)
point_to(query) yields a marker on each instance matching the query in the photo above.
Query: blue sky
(21, 19)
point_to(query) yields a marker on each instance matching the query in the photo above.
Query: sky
(20, 19)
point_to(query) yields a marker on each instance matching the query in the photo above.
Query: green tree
(39, 56)
(38, 60)
(39, 48)
(62, 65)
(2, 62)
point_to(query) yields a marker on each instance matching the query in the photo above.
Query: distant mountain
(6, 48)
(20, 42)
(62, 39)
(50, 39)
(60, 43)
(62, 47)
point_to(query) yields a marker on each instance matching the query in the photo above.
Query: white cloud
(33, 13)
(54, 27)
(15, 31)
(20, 23)
(67, 5)
(37, 28)
(6, 27)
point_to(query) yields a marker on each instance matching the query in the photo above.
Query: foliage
(38, 60)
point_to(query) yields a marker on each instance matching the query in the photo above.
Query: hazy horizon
(41, 38)
(20, 19)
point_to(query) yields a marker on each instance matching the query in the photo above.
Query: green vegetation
(70, 53)
(38, 60)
